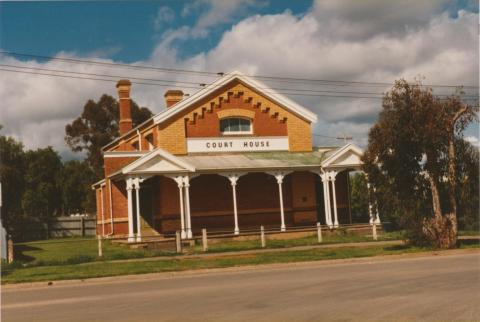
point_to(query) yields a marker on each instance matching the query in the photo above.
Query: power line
(324, 136)
(82, 61)
(215, 74)
(166, 85)
(287, 91)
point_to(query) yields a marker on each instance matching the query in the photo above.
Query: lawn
(101, 269)
(59, 259)
(67, 251)
(228, 246)
(64, 251)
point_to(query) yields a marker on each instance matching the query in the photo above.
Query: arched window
(235, 125)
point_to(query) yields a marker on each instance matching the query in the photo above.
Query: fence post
(100, 250)
(374, 231)
(82, 226)
(262, 237)
(10, 250)
(178, 242)
(319, 232)
(204, 240)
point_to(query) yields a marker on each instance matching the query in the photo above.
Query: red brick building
(233, 156)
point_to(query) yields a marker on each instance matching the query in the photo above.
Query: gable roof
(348, 155)
(184, 104)
(156, 161)
(282, 100)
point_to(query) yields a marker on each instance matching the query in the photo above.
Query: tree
(468, 185)
(97, 126)
(12, 167)
(359, 198)
(75, 181)
(41, 199)
(413, 143)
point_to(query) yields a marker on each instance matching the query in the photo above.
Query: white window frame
(237, 132)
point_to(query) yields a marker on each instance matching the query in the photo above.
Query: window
(235, 125)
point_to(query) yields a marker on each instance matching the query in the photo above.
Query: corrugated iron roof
(256, 160)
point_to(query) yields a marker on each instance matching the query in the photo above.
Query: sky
(346, 40)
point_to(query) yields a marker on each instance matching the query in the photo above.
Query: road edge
(235, 269)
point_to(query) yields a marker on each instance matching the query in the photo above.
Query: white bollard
(319, 232)
(100, 250)
(374, 231)
(262, 237)
(204, 240)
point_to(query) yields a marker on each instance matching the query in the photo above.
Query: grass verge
(67, 251)
(102, 269)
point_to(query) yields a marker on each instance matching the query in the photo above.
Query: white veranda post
(279, 177)
(179, 181)
(131, 237)
(326, 198)
(332, 176)
(233, 181)
(136, 183)
(188, 221)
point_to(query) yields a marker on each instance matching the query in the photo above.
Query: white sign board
(237, 144)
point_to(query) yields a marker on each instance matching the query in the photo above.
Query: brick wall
(211, 201)
(114, 164)
(209, 124)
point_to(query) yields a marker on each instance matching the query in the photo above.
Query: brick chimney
(173, 96)
(123, 88)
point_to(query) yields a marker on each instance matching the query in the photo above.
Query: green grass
(66, 251)
(101, 269)
(230, 246)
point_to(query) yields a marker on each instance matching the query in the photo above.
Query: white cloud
(164, 16)
(381, 42)
(217, 12)
(358, 20)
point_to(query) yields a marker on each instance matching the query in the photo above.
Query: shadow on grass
(398, 247)
(20, 256)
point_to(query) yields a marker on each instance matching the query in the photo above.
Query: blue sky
(123, 31)
(369, 40)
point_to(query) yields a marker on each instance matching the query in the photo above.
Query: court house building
(231, 157)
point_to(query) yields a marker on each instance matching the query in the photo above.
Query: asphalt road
(435, 288)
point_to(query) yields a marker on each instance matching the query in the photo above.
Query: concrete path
(391, 288)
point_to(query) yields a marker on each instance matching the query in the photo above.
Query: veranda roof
(255, 160)
(158, 161)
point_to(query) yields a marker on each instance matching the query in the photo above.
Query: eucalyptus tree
(97, 126)
(412, 148)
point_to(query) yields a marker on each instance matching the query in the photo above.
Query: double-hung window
(235, 125)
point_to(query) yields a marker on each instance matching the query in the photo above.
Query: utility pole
(345, 138)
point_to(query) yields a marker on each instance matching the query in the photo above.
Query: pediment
(257, 92)
(158, 161)
(347, 156)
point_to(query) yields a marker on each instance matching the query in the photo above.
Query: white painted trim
(250, 82)
(123, 154)
(233, 143)
(163, 154)
(348, 147)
